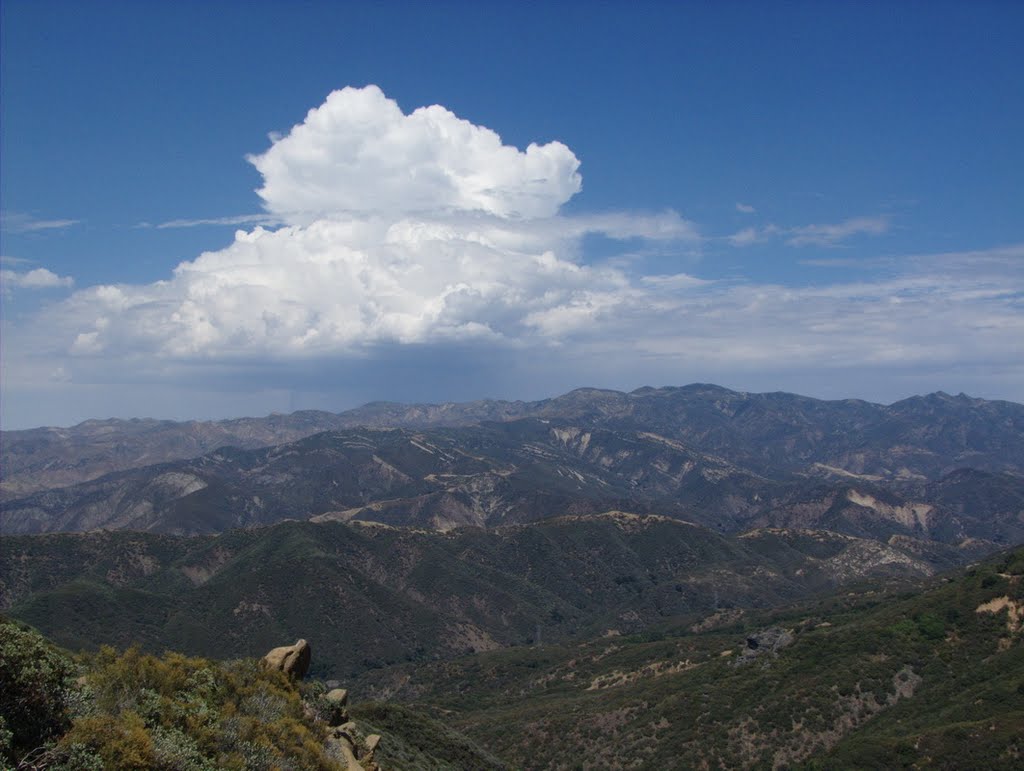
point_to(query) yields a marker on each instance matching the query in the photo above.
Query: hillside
(367, 596)
(871, 679)
(929, 677)
(128, 710)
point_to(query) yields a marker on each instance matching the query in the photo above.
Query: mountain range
(672, 576)
(923, 436)
(942, 468)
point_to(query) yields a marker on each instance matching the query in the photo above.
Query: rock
(293, 660)
(370, 743)
(337, 700)
(340, 747)
(338, 696)
(765, 642)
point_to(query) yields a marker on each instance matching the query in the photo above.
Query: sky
(217, 209)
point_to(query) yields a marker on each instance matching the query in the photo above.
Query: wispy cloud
(831, 234)
(241, 219)
(19, 222)
(745, 208)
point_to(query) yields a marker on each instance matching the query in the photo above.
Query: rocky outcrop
(337, 703)
(766, 642)
(293, 660)
(345, 742)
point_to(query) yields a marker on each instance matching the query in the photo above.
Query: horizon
(247, 209)
(229, 418)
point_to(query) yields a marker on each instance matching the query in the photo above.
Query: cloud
(358, 152)
(418, 229)
(241, 219)
(746, 237)
(420, 249)
(745, 208)
(831, 234)
(39, 278)
(17, 222)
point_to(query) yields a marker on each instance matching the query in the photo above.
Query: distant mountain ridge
(923, 436)
(495, 474)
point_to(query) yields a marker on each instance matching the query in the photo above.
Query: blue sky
(817, 197)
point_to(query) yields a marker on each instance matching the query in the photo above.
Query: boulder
(337, 697)
(340, 748)
(293, 660)
(337, 700)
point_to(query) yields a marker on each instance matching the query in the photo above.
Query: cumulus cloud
(358, 152)
(39, 278)
(402, 229)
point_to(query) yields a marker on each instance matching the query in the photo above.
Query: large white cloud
(358, 152)
(406, 229)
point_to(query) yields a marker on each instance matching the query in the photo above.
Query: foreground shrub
(131, 710)
(38, 691)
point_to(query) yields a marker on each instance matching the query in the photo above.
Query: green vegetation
(367, 596)
(129, 710)
(419, 743)
(885, 674)
(132, 710)
(871, 680)
(38, 695)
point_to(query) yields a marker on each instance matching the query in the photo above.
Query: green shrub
(38, 692)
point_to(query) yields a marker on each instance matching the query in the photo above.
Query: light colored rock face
(337, 696)
(293, 660)
(909, 515)
(347, 745)
(1014, 611)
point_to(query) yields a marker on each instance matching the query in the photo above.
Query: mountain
(769, 434)
(930, 678)
(483, 475)
(495, 474)
(368, 595)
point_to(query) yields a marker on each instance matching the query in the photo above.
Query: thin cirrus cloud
(240, 219)
(19, 222)
(410, 233)
(826, 234)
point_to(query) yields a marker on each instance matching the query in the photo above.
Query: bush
(38, 691)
